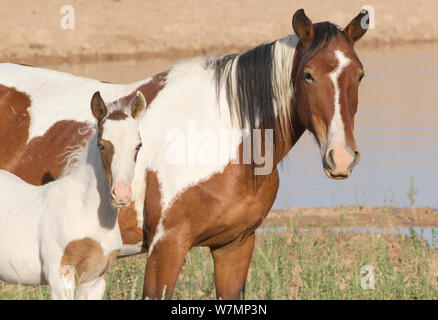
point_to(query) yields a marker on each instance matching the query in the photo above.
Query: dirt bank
(353, 216)
(30, 30)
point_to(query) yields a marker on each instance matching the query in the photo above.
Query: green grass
(315, 265)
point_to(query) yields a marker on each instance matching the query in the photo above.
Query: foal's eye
(100, 146)
(361, 77)
(308, 77)
(138, 147)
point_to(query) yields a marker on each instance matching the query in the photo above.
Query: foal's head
(326, 78)
(119, 142)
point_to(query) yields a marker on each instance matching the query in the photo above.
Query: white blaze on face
(124, 136)
(337, 133)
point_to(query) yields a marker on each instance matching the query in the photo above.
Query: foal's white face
(119, 142)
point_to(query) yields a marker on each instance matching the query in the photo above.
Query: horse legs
(61, 282)
(231, 264)
(163, 266)
(92, 290)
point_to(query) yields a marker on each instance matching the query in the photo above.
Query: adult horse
(187, 190)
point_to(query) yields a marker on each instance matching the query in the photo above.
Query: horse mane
(257, 84)
(77, 155)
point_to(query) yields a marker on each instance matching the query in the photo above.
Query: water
(396, 131)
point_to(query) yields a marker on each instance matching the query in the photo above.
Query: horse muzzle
(338, 163)
(121, 194)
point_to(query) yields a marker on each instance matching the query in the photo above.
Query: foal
(66, 233)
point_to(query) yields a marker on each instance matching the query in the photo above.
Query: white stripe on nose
(337, 133)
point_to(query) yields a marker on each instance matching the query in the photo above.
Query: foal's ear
(357, 27)
(303, 27)
(138, 106)
(98, 107)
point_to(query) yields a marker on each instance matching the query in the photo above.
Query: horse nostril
(356, 158)
(329, 161)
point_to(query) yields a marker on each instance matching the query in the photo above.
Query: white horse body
(37, 222)
(20, 260)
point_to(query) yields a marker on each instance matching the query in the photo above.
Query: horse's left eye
(100, 146)
(138, 147)
(308, 77)
(361, 77)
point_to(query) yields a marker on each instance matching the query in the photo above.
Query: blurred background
(396, 125)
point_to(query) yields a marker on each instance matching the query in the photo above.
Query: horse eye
(100, 146)
(361, 77)
(308, 77)
(138, 147)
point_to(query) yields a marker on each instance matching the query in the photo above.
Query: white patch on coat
(337, 132)
(131, 249)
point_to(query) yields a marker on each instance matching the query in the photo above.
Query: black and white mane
(258, 83)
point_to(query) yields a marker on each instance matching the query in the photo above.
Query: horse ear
(98, 107)
(138, 106)
(357, 27)
(303, 27)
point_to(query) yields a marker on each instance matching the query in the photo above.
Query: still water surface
(396, 131)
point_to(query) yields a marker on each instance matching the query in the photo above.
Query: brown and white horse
(65, 233)
(196, 185)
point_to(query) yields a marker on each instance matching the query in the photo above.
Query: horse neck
(287, 137)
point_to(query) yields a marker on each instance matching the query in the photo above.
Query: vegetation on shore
(316, 263)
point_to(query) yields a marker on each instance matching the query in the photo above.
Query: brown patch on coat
(14, 125)
(117, 115)
(152, 205)
(128, 223)
(150, 90)
(87, 258)
(106, 155)
(43, 158)
(216, 212)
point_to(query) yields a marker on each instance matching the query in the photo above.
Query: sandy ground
(30, 30)
(353, 216)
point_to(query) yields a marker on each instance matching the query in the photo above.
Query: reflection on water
(430, 235)
(396, 131)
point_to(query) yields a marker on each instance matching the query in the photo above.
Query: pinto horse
(65, 233)
(188, 189)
